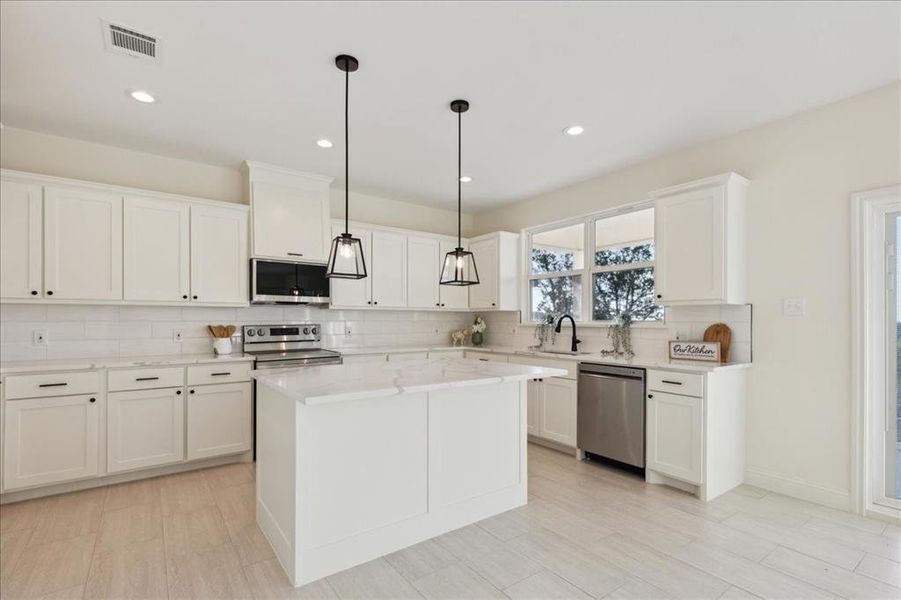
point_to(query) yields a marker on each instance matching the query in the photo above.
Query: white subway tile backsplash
(84, 331)
(82, 349)
(78, 312)
(111, 330)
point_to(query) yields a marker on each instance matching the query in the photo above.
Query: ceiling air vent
(128, 41)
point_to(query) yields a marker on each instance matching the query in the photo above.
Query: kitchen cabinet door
(557, 415)
(353, 293)
(157, 249)
(82, 244)
(219, 261)
(675, 441)
(50, 440)
(291, 223)
(485, 254)
(423, 263)
(21, 245)
(219, 419)
(145, 428)
(452, 297)
(535, 391)
(689, 246)
(389, 270)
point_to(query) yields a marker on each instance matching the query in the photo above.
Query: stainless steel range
(289, 345)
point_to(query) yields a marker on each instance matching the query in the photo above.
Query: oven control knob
(251, 332)
(314, 331)
(260, 331)
(306, 331)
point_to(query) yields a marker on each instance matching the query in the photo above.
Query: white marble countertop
(81, 364)
(591, 357)
(335, 383)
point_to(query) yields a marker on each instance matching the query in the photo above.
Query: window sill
(604, 324)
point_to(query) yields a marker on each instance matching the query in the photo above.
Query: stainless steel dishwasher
(611, 412)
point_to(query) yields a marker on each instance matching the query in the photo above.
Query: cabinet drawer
(228, 372)
(571, 367)
(486, 356)
(685, 384)
(52, 384)
(145, 379)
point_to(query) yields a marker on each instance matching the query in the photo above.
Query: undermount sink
(565, 352)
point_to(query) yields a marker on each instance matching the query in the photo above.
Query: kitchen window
(616, 279)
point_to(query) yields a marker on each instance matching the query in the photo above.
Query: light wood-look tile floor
(588, 532)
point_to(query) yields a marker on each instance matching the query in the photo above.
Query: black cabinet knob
(178, 392)
(185, 297)
(375, 302)
(93, 400)
(194, 297)
(369, 302)
(442, 304)
(493, 304)
(34, 292)
(49, 292)
(190, 391)
(650, 395)
(659, 296)
(437, 304)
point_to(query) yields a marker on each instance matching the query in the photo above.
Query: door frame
(868, 325)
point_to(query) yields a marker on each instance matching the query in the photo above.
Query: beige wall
(34, 152)
(802, 171)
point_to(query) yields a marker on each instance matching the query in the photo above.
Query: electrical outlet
(348, 332)
(177, 335)
(39, 337)
(793, 307)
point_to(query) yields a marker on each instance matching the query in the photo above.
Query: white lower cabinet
(50, 440)
(557, 416)
(219, 419)
(145, 428)
(675, 440)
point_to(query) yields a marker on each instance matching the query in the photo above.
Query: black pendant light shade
(459, 265)
(345, 261)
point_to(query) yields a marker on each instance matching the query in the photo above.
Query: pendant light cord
(459, 175)
(346, 152)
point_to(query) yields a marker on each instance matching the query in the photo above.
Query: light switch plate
(39, 337)
(177, 335)
(793, 307)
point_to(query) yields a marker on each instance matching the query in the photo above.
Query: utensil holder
(222, 346)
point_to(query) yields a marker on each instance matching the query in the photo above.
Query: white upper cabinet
(423, 270)
(157, 249)
(496, 257)
(454, 297)
(290, 212)
(82, 244)
(700, 242)
(219, 262)
(389, 270)
(353, 293)
(21, 245)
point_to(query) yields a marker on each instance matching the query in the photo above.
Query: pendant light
(346, 260)
(459, 265)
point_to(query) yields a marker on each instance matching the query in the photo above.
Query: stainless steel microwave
(278, 282)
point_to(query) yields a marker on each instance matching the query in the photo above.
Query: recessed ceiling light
(324, 143)
(142, 96)
(466, 179)
(574, 130)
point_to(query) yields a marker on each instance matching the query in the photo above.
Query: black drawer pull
(295, 253)
(670, 382)
(146, 378)
(52, 384)
(92, 400)
(218, 374)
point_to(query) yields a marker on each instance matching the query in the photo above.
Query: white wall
(34, 152)
(802, 171)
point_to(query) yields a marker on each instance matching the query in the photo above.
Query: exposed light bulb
(460, 262)
(345, 250)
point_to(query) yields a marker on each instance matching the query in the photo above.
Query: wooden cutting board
(720, 332)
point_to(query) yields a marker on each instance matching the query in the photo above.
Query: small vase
(477, 338)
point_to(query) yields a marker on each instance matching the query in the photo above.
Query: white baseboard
(798, 488)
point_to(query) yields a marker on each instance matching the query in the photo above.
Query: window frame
(586, 273)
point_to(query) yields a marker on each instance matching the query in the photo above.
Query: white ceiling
(256, 80)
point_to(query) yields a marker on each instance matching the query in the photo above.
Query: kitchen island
(358, 461)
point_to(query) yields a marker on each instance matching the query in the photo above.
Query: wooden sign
(703, 351)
